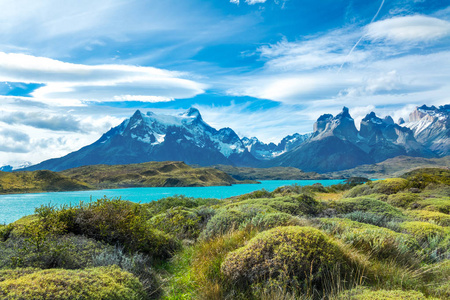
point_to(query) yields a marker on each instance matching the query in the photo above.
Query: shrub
(294, 205)
(179, 221)
(94, 283)
(137, 264)
(366, 294)
(367, 204)
(387, 187)
(435, 204)
(116, 221)
(227, 220)
(432, 216)
(368, 218)
(421, 230)
(403, 200)
(283, 254)
(256, 195)
(421, 178)
(270, 220)
(5, 232)
(161, 205)
(381, 242)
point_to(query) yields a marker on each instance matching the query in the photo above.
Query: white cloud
(252, 2)
(96, 82)
(417, 28)
(249, 2)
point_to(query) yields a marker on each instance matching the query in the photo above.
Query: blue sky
(69, 70)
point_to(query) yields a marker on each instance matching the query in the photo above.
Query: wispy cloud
(415, 28)
(96, 82)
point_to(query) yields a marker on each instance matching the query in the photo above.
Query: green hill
(38, 181)
(150, 174)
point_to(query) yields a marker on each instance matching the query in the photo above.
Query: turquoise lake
(15, 206)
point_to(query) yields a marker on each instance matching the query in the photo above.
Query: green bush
(179, 221)
(382, 242)
(430, 216)
(294, 205)
(368, 218)
(256, 195)
(227, 220)
(5, 232)
(387, 187)
(421, 178)
(403, 200)
(95, 283)
(269, 220)
(366, 294)
(421, 230)
(367, 204)
(282, 254)
(435, 204)
(161, 205)
(113, 221)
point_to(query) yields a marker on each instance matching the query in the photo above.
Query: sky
(71, 70)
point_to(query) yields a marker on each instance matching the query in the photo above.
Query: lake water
(15, 206)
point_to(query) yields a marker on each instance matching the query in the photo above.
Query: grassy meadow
(386, 239)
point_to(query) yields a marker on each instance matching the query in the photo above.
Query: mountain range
(335, 143)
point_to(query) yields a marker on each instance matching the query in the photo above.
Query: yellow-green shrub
(436, 204)
(179, 221)
(433, 216)
(366, 294)
(367, 204)
(282, 254)
(421, 230)
(403, 200)
(387, 187)
(94, 283)
(382, 242)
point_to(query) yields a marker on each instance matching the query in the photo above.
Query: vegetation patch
(367, 294)
(387, 187)
(430, 216)
(287, 255)
(367, 204)
(94, 283)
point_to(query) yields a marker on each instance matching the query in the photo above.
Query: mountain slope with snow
(431, 127)
(152, 137)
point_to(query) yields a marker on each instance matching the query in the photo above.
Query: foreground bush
(113, 221)
(366, 294)
(367, 204)
(95, 283)
(387, 187)
(381, 242)
(287, 255)
(433, 216)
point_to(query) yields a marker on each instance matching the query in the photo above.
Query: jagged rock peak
(401, 121)
(192, 112)
(344, 114)
(388, 120)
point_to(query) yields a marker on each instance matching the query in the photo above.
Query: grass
(389, 240)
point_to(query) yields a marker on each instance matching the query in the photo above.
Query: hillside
(38, 181)
(150, 174)
(392, 167)
(387, 239)
(275, 173)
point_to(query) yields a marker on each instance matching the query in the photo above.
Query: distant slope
(393, 167)
(38, 181)
(275, 173)
(151, 174)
